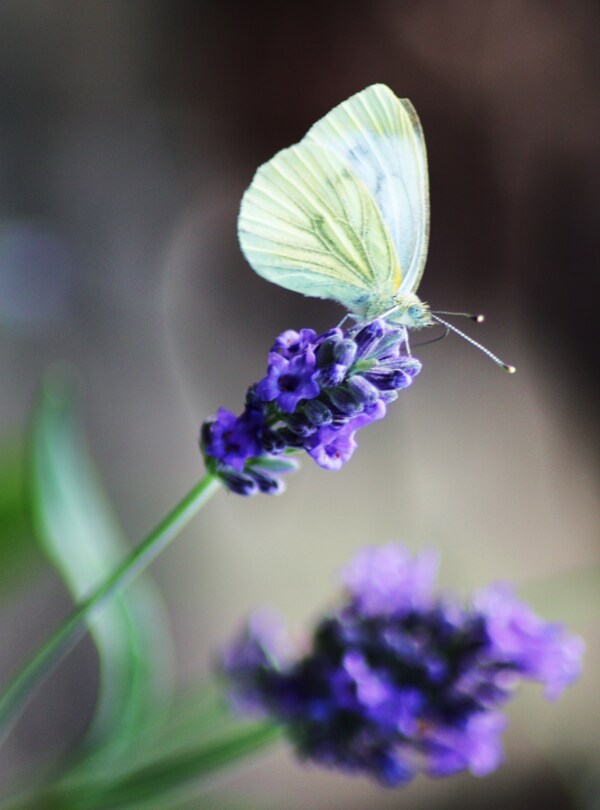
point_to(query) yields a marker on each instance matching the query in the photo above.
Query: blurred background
(128, 133)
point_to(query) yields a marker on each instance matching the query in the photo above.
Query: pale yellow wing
(310, 224)
(379, 137)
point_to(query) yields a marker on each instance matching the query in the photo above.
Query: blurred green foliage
(146, 744)
(79, 532)
(18, 551)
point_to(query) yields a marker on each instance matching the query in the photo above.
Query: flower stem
(74, 626)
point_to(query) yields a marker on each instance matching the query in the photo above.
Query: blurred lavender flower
(399, 681)
(317, 392)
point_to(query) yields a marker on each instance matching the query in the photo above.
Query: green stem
(74, 627)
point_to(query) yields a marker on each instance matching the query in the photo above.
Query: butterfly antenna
(477, 318)
(491, 355)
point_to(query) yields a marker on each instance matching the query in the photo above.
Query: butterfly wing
(308, 223)
(344, 214)
(379, 137)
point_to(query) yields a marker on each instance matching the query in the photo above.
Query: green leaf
(175, 772)
(161, 778)
(80, 535)
(17, 547)
(194, 717)
(200, 739)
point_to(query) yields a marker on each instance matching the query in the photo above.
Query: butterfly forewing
(310, 224)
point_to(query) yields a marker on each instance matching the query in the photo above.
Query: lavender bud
(345, 352)
(362, 389)
(332, 375)
(368, 338)
(317, 412)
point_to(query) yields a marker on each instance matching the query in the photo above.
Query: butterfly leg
(391, 311)
(359, 320)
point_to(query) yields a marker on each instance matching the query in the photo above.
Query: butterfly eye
(414, 311)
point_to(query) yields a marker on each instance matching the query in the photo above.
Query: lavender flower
(317, 392)
(290, 381)
(398, 680)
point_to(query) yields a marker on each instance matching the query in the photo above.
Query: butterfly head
(411, 312)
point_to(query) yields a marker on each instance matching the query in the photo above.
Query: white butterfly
(344, 214)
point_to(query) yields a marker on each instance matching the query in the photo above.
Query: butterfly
(344, 213)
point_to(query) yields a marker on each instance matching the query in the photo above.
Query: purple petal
(387, 580)
(537, 649)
